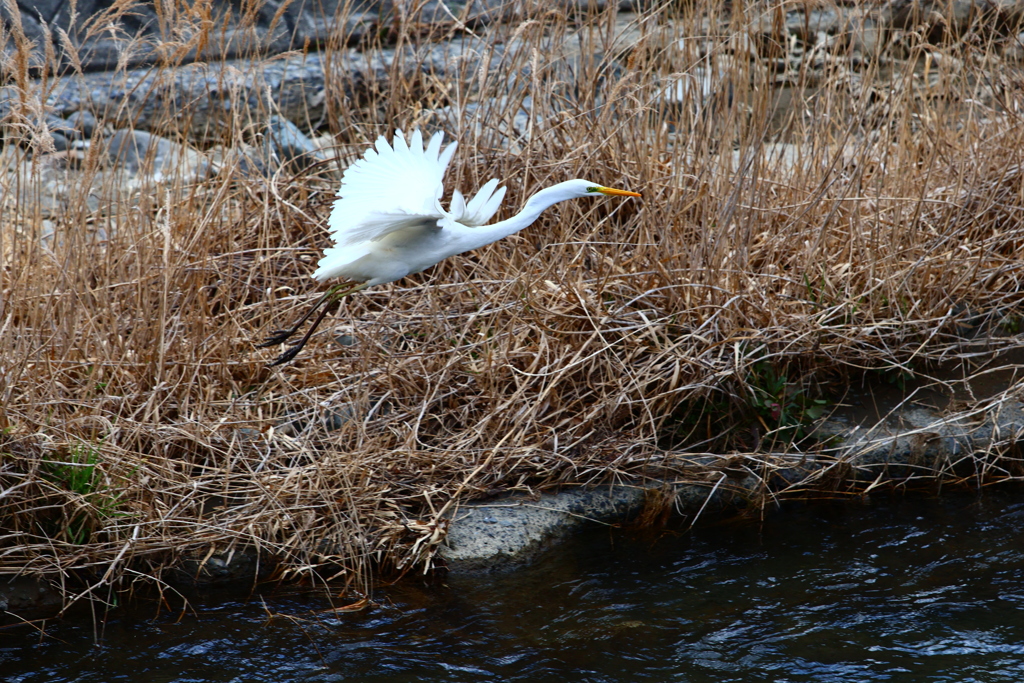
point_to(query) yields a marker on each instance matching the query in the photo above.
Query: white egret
(388, 221)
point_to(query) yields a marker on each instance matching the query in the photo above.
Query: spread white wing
(395, 188)
(390, 188)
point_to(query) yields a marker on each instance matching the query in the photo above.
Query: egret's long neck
(535, 206)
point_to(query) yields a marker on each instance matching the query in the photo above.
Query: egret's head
(585, 188)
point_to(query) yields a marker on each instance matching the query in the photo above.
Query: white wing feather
(481, 208)
(396, 187)
(390, 189)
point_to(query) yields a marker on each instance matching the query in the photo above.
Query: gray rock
(932, 14)
(275, 26)
(222, 568)
(83, 122)
(241, 160)
(144, 154)
(344, 339)
(329, 421)
(60, 143)
(131, 148)
(917, 442)
(8, 100)
(494, 536)
(48, 230)
(199, 101)
(44, 190)
(59, 125)
(288, 146)
(24, 595)
(806, 26)
(865, 37)
(480, 116)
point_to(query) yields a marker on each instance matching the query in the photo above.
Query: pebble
(60, 141)
(345, 340)
(83, 122)
(332, 421)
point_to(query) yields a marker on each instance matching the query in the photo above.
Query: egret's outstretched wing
(390, 189)
(481, 208)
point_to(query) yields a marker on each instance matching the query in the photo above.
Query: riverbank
(823, 210)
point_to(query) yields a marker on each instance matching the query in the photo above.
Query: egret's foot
(279, 337)
(286, 356)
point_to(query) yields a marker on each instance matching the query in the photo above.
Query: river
(891, 588)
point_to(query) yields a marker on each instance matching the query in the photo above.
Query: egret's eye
(593, 189)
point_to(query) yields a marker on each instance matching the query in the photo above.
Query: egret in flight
(388, 221)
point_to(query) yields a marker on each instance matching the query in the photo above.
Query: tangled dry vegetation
(852, 232)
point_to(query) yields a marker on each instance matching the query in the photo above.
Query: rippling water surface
(898, 590)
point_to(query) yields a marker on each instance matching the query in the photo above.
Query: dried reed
(853, 231)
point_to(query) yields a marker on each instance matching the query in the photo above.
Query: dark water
(898, 590)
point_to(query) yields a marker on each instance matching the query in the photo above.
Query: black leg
(294, 350)
(281, 336)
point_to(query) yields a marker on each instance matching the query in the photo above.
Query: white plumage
(388, 221)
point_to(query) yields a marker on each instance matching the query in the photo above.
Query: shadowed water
(898, 590)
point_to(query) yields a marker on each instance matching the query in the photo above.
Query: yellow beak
(618, 193)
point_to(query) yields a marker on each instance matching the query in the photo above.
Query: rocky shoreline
(915, 444)
(186, 107)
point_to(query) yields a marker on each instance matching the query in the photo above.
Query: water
(899, 590)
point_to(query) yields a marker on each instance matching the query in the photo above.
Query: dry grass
(142, 425)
